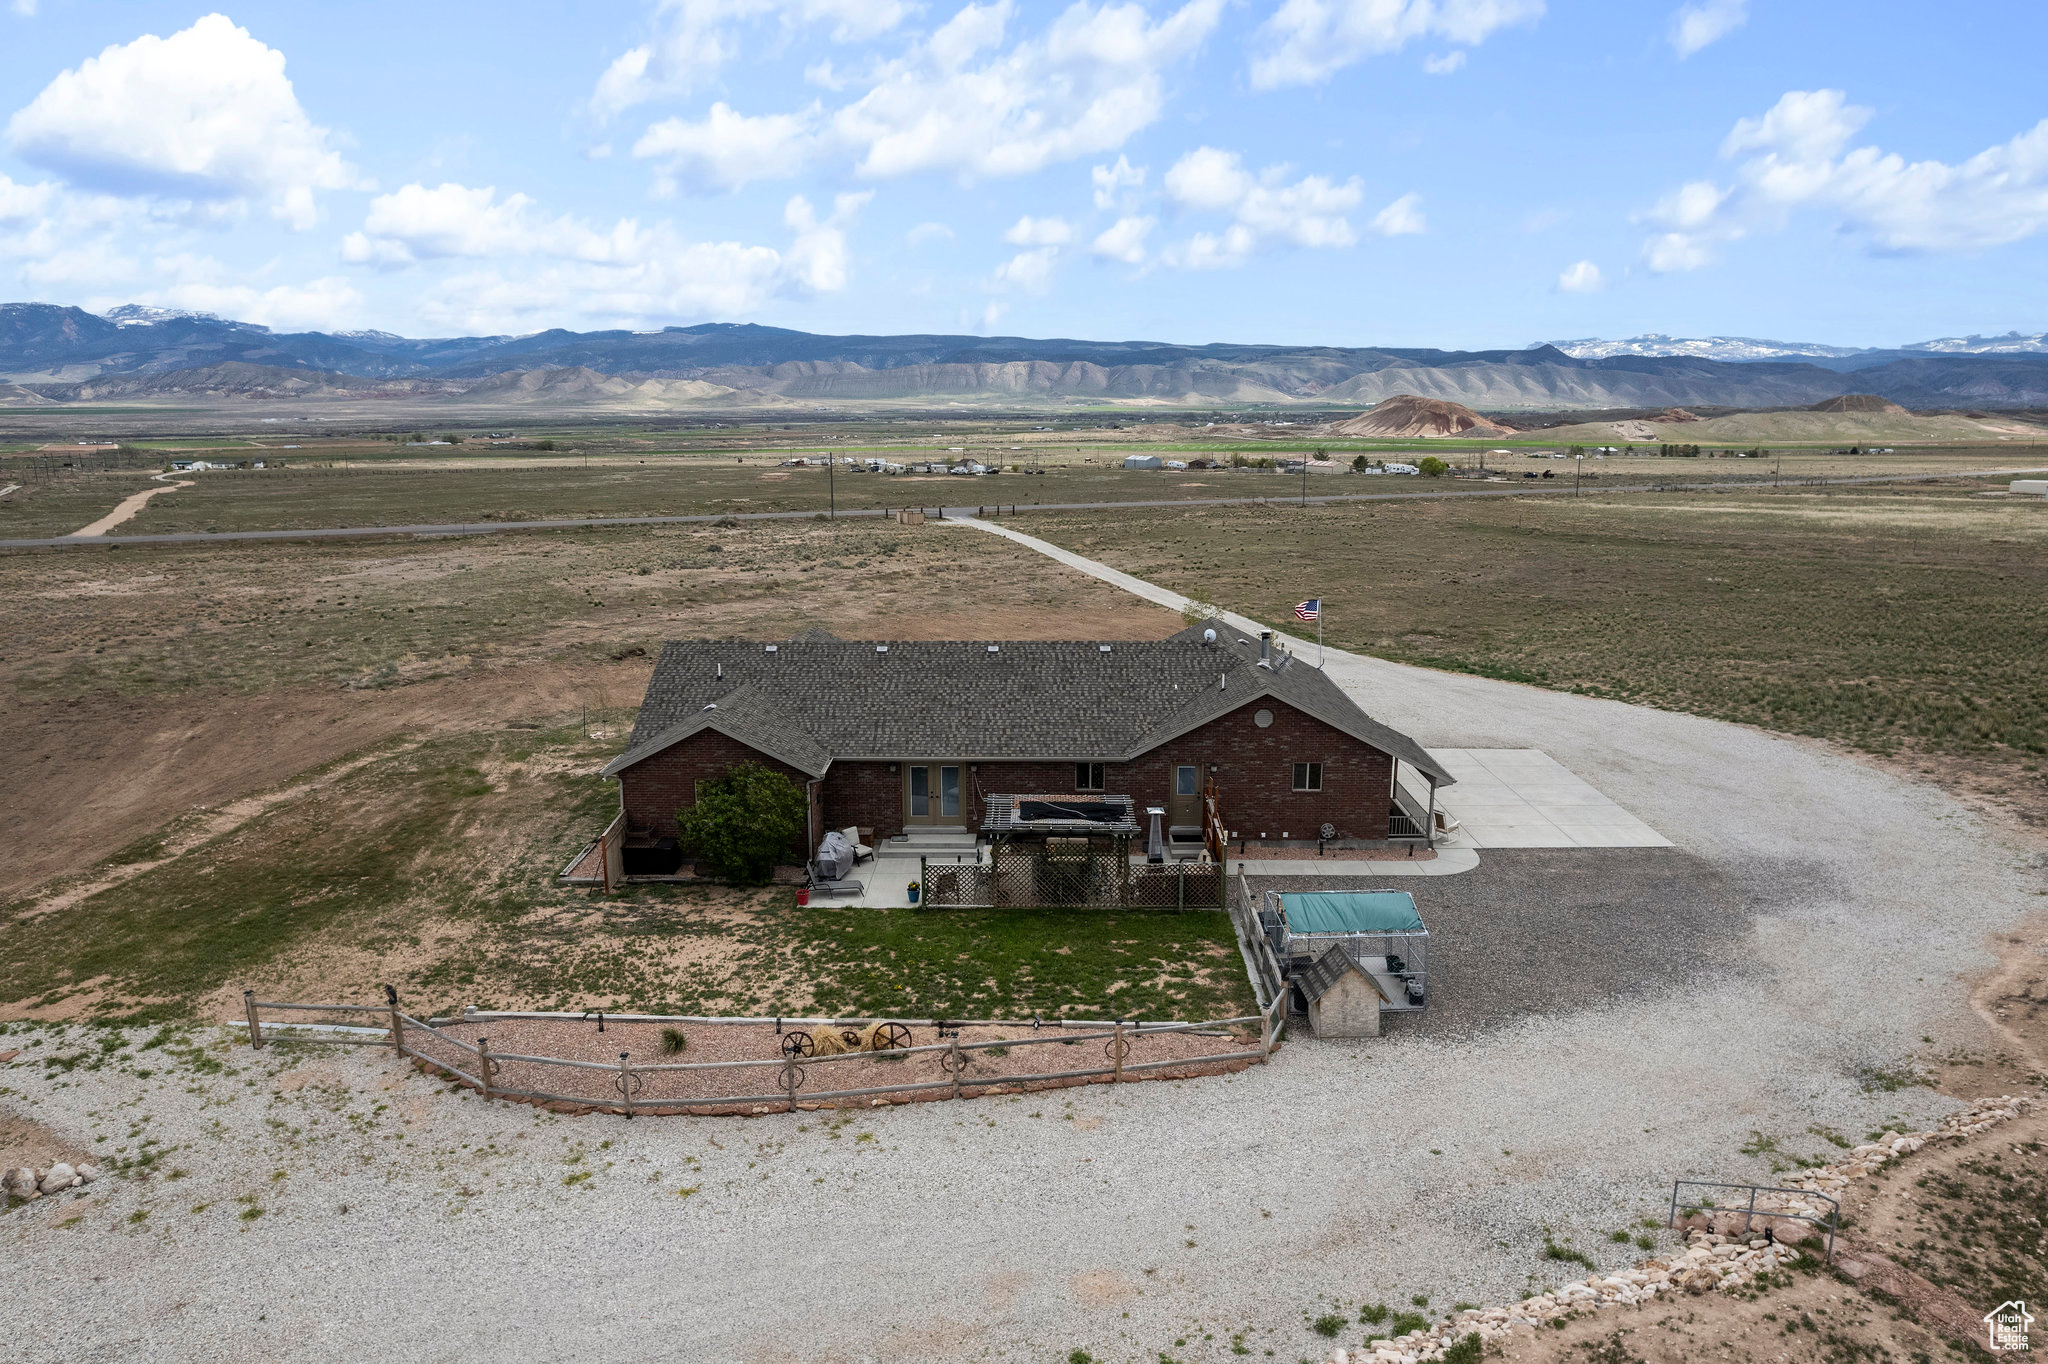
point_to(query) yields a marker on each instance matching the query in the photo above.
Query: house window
(1308, 776)
(1087, 776)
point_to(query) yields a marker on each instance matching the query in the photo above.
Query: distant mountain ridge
(1749, 348)
(50, 353)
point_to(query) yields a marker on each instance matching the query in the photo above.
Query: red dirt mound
(1405, 415)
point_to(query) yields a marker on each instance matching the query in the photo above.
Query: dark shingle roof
(809, 701)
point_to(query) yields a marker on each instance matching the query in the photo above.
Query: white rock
(87, 1173)
(20, 1181)
(58, 1178)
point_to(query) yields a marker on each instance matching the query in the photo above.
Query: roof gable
(814, 700)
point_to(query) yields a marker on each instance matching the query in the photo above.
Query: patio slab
(1524, 798)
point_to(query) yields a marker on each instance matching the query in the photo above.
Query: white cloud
(928, 232)
(543, 267)
(1124, 240)
(415, 223)
(205, 115)
(1445, 64)
(25, 8)
(1084, 86)
(1306, 42)
(1310, 212)
(964, 100)
(1402, 218)
(1797, 156)
(694, 39)
(1030, 231)
(1695, 25)
(1117, 185)
(201, 284)
(1030, 271)
(727, 149)
(1582, 278)
(817, 260)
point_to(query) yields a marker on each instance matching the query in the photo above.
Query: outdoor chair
(821, 884)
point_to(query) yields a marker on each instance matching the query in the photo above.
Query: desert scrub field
(432, 866)
(1893, 621)
(245, 618)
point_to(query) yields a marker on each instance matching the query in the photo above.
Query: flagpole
(1319, 635)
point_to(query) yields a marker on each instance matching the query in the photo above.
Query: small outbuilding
(1143, 462)
(1343, 998)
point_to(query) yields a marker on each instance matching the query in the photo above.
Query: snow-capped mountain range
(1741, 348)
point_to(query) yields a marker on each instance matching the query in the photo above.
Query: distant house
(898, 737)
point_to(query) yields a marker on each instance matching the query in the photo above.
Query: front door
(1184, 806)
(931, 794)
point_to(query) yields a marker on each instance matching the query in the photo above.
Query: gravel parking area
(1550, 931)
(1606, 1021)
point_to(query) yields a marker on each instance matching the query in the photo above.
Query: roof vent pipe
(1222, 681)
(721, 671)
(1266, 647)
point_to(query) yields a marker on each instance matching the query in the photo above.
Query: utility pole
(1304, 480)
(831, 488)
(1578, 467)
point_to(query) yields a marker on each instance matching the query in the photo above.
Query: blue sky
(1460, 173)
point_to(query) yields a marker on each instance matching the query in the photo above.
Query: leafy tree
(1360, 463)
(1432, 467)
(743, 822)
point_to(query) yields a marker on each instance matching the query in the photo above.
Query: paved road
(587, 522)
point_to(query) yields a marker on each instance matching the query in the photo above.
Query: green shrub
(1373, 1315)
(673, 1042)
(743, 823)
(1553, 1251)
(1432, 467)
(1466, 1351)
(1328, 1324)
(1404, 1322)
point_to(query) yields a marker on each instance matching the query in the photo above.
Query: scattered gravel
(1604, 1022)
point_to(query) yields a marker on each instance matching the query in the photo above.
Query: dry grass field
(623, 472)
(323, 767)
(1908, 623)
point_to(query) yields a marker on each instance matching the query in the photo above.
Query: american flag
(1308, 610)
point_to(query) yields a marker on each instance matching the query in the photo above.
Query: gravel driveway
(1605, 1021)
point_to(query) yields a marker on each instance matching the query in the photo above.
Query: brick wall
(1255, 772)
(656, 787)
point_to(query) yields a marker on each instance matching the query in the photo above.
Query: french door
(932, 795)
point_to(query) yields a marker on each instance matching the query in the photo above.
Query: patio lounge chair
(821, 884)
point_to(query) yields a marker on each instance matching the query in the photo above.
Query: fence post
(1118, 1055)
(483, 1065)
(626, 1084)
(255, 1025)
(955, 1063)
(397, 1021)
(790, 1074)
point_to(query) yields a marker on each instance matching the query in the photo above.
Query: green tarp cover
(1351, 911)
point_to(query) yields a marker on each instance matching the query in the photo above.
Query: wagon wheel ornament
(792, 1076)
(629, 1083)
(952, 1061)
(892, 1037)
(490, 1066)
(798, 1043)
(850, 1038)
(1117, 1048)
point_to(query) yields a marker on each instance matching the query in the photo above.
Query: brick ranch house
(897, 737)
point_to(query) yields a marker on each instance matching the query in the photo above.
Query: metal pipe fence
(715, 1086)
(1686, 1207)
